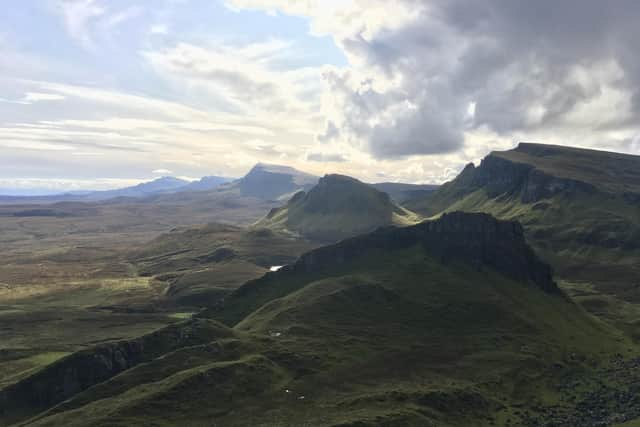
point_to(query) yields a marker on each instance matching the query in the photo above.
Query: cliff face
(79, 371)
(476, 239)
(473, 239)
(503, 176)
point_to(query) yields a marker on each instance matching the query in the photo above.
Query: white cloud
(162, 172)
(87, 19)
(159, 29)
(119, 17)
(31, 97)
(48, 186)
(243, 75)
(533, 70)
(78, 16)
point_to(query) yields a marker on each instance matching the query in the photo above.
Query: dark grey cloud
(525, 66)
(326, 158)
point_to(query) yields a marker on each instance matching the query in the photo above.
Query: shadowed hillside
(457, 320)
(338, 207)
(580, 208)
(273, 182)
(201, 264)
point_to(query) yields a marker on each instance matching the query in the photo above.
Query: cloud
(159, 29)
(423, 78)
(78, 15)
(243, 75)
(326, 157)
(83, 19)
(162, 172)
(40, 186)
(33, 97)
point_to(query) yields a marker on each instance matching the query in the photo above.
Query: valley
(508, 296)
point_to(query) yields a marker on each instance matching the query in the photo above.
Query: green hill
(201, 264)
(580, 208)
(338, 207)
(452, 322)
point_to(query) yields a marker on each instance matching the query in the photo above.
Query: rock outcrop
(500, 176)
(474, 239)
(81, 370)
(477, 239)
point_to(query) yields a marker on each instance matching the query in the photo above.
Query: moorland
(507, 296)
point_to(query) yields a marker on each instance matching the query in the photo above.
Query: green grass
(612, 172)
(338, 207)
(587, 237)
(633, 423)
(393, 338)
(200, 265)
(12, 371)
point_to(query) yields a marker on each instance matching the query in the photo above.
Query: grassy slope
(472, 344)
(202, 264)
(336, 208)
(591, 238)
(612, 172)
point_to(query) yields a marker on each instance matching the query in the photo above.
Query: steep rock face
(83, 369)
(477, 239)
(503, 176)
(473, 239)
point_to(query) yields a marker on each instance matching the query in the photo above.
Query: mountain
(451, 322)
(205, 183)
(166, 184)
(338, 206)
(580, 208)
(401, 192)
(163, 185)
(273, 182)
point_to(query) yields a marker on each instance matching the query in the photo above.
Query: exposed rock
(502, 176)
(81, 370)
(478, 239)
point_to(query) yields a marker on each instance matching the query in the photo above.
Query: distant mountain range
(163, 185)
(264, 181)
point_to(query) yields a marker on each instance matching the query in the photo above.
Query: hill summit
(579, 207)
(339, 206)
(476, 240)
(266, 181)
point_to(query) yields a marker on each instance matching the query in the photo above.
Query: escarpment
(477, 240)
(83, 369)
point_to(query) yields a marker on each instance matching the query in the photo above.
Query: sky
(98, 94)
